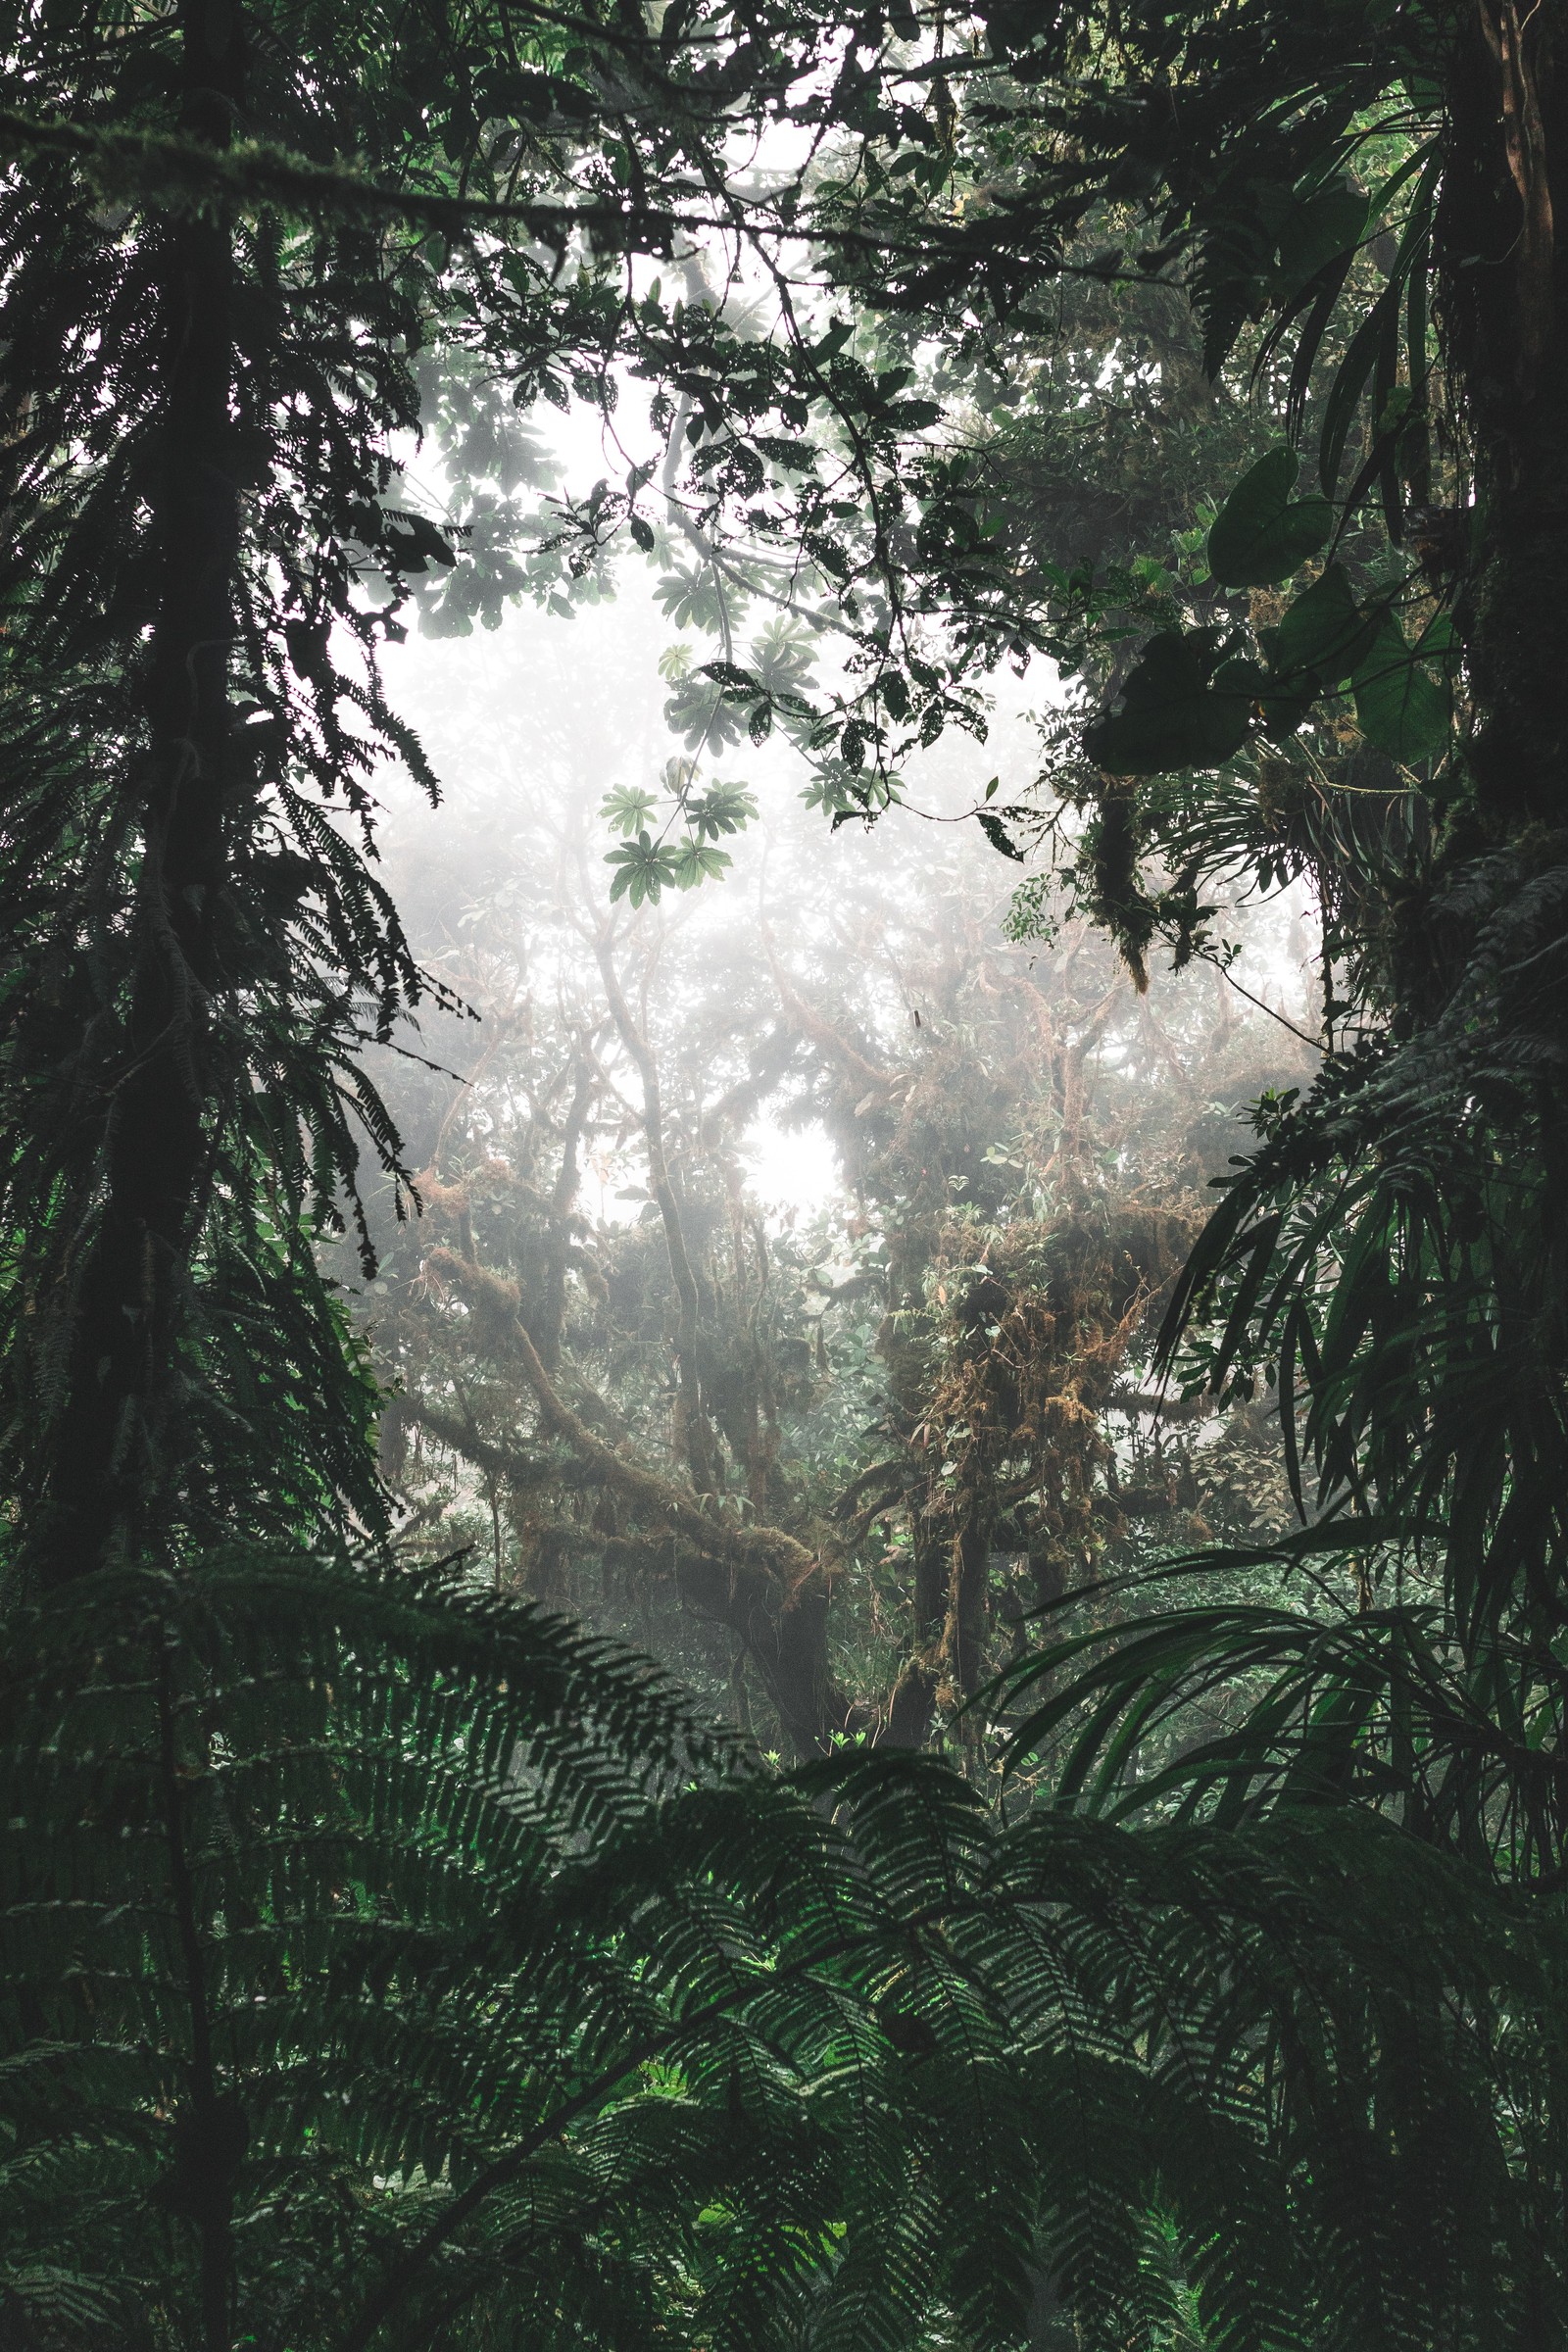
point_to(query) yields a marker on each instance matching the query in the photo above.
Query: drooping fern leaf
(382, 1961)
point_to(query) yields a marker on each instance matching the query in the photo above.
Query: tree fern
(382, 1961)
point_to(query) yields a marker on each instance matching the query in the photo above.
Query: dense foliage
(397, 1968)
(922, 1403)
(1361, 666)
(382, 1961)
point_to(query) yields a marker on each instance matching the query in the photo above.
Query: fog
(739, 1166)
(529, 726)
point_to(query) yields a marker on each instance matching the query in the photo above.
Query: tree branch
(695, 1436)
(761, 1582)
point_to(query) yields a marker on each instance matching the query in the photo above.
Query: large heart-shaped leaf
(1399, 706)
(1260, 535)
(1317, 229)
(1323, 635)
(1181, 707)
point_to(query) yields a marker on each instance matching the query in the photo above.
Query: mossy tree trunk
(1503, 294)
(116, 1450)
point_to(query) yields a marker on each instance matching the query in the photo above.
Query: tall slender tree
(109, 1448)
(191, 942)
(237, 234)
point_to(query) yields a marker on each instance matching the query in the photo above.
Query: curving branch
(563, 1200)
(822, 1032)
(768, 1587)
(694, 1432)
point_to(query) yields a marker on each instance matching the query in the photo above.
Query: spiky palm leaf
(1391, 1255)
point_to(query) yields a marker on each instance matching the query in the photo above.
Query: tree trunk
(694, 1437)
(116, 1454)
(1503, 294)
(912, 1707)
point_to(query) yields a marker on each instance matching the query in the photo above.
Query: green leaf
(1441, 644)
(693, 862)
(643, 869)
(1181, 707)
(626, 811)
(1323, 635)
(722, 808)
(732, 677)
(1259, 535)
(995, 832)
(1317, 231)
(1399, 706)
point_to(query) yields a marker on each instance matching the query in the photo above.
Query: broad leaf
(995, 832)
(1399, 706)
(1260, 535)
(644, 868)
(1323, 636)
(1317, 231)
(693, 861)
(626, 811)
(1181, 708)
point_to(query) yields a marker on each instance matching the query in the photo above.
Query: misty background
(931, 1161)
